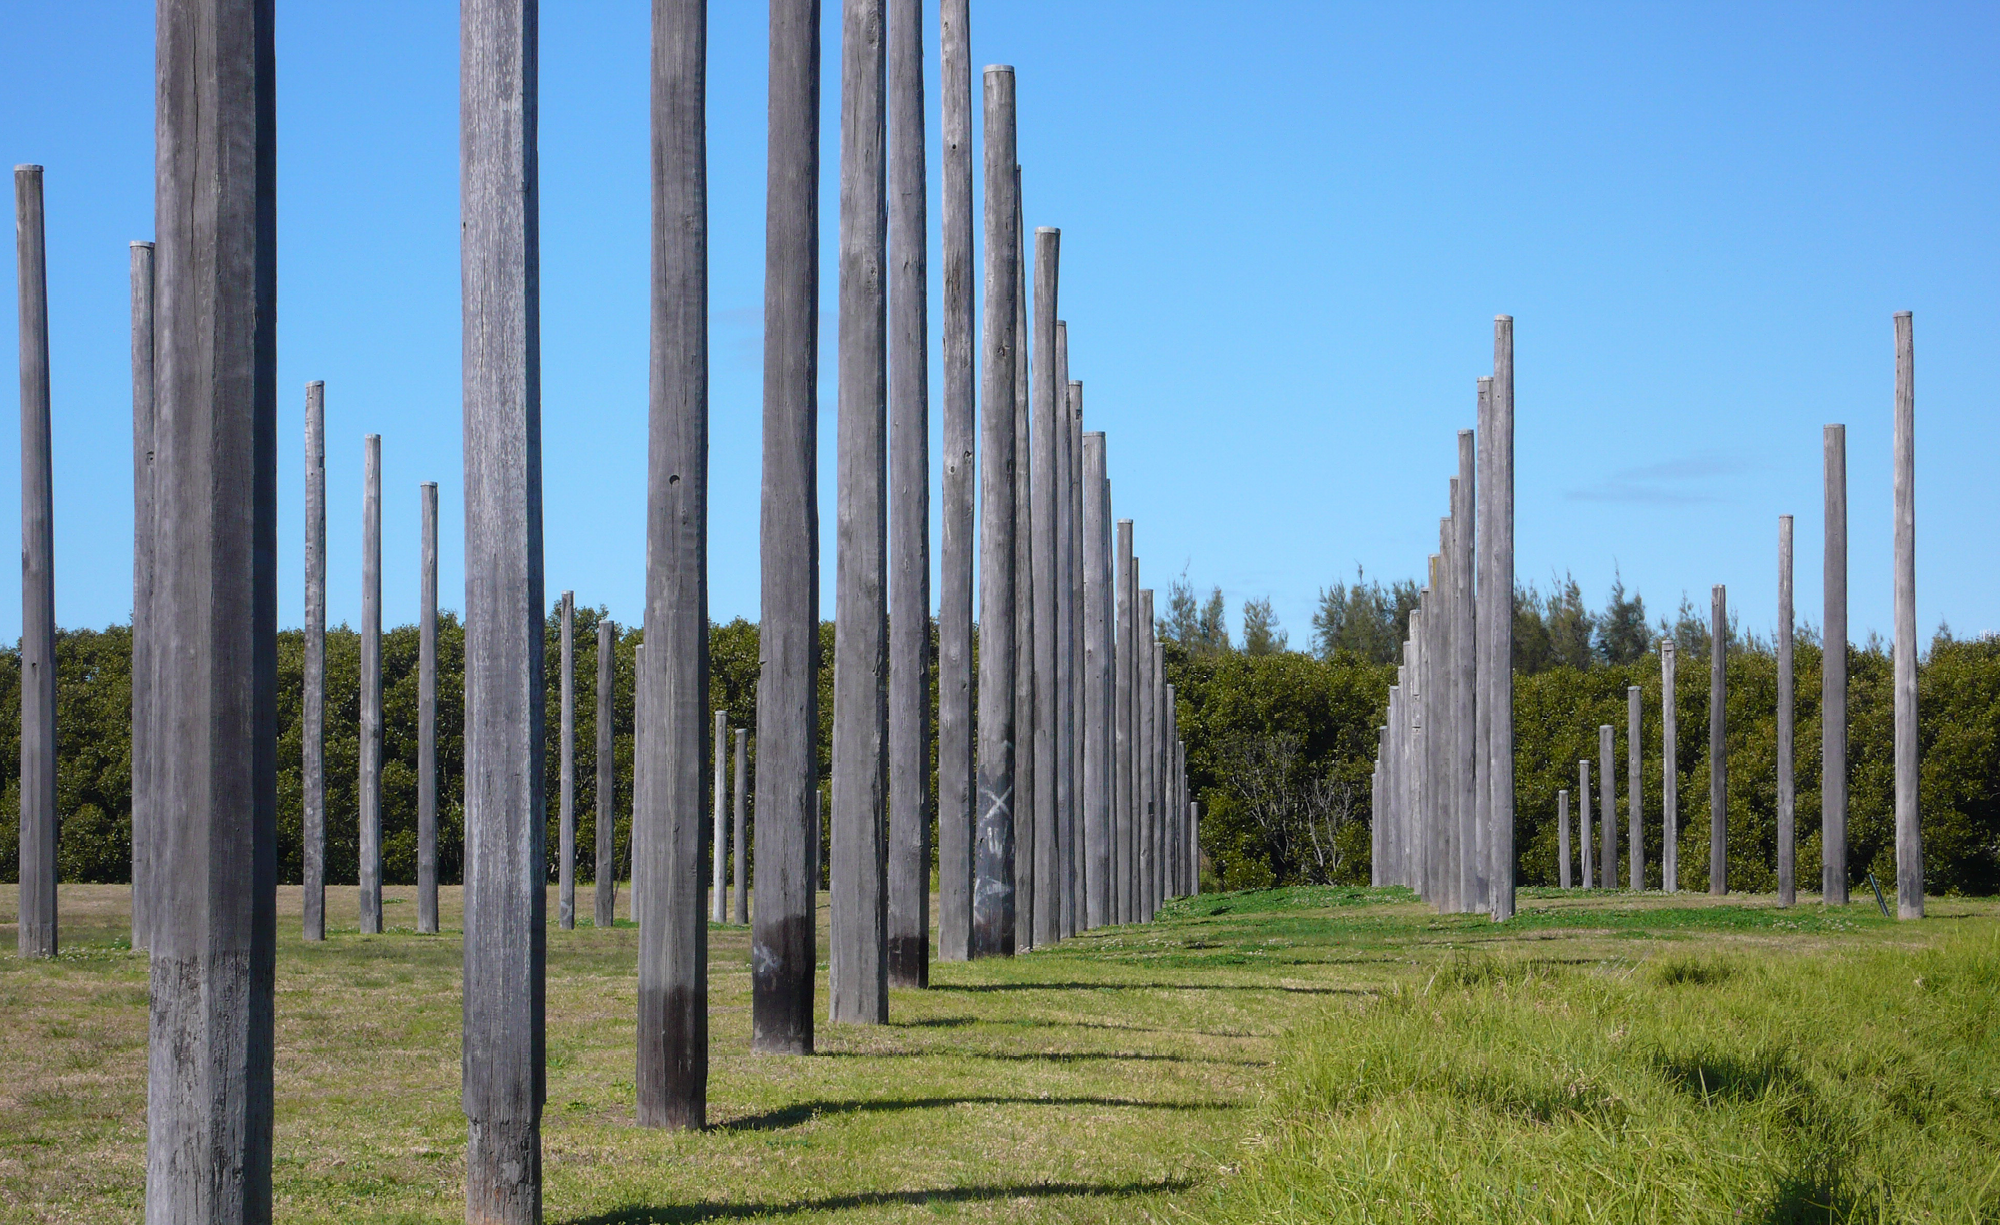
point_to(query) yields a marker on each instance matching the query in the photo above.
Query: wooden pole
(1562, 837)
(369, 816)
(1583, 818)
(1027, 763)
(1097, 744)
(313, 751)
(1607, 822)
(427, 633)
(636, 850)
(910, 508)
(671, 1065)
(1124, 803)
(1787, 815)
(143, 714)
(742, 818)
(1076, 904)
(1635, 805)
(718, 857)
(605, 894)
(215, 615)
(1149, 760)
(1833, 677)
(566, 777)
(505, 729)
(1498, 584)
(1718, 745)
(783, 944)
(36, 927)
(1066, 586)
(957, 814)
(1909, 823)
(858, 965)
(1670, 787)
(1047, 474)
(1473, 849)
(993, 918)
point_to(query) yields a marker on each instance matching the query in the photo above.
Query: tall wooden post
(566, 770)
(605, 895)
(1787, 816)
(1097, 669)
(1833, 677)
(858, 964)
(369, 793)
(1149, 760)
(1607, 822)
(718, 839)
(143, 424)
(1075, 905)
(1562, 838)
(1067, 583)
(1670, 785)
(957, 813)
(505, 805)
(36, 926)
(1473, 849)
(1048, 628)
(427, 700)
(313, 750)
(1635, 805)
(1909, 823)
(1583, 818)
(993, 919)
(910, 508)
(783, 944)
(741, 806)
(672, 1057)
(1496, 582)
(1027, 793)
(215, 615)
(1718, 745)
(1123, 801)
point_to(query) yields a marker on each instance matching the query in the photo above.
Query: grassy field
(1290, 1055)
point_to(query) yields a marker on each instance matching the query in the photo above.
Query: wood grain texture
(369, 792)
(1833, 673)
(1047, 697)
(36, 934)
(427, 624)
(144, 714)
(1909, 821)
(605, 895)
(313, 765)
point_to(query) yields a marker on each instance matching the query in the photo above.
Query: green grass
(1284, 1055)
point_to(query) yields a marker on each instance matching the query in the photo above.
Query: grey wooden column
(605, 894)
(1378, 801)
(1497, 527)
(1149, 760)
(1607, 822)
(1392, 779)
(427, 620)
(369, 792)
(957, 815)
(1833, 676)
(1097, 669)
(566, 770)
(636, 851)
(1416, 762)
(1909, 823)
(671, 1064)
(313, 750)
(1173, 815)
(37, 915)
(858, 962)
(1583, 819)
(1718, 744)
(1787, 815)
(1670, 784)
(993, 917)
(143, 714)
(1066, 590)
(910, 508)
(1635, 804)
(1027, 793)
(1121, 765)
(718, 839)
(740, 776)
(1562, 838)
(1473, 849)
(1079, 839)
(1047, 475)
(783, 942)
(214, 929)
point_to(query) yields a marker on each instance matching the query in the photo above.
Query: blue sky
(1287, 227)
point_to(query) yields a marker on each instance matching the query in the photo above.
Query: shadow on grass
(689, 1214)
(1710, 1076)
(1041, 1057)
(1075, 986)
(1047, 1023)
(806, 1112)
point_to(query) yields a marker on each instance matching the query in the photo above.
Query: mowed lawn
(1289, 1055)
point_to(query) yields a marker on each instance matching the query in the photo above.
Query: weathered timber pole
(1472, 843)
(671, 1065)
(214, 895)
(1718, 745)
(993, 920)
(313, 751)
(1027, 772)
(1067, 583)
(1607, 821)
(636, 850)
(1583, 818)
(144, 421)
(1047, 476)
(1787, 815)
(1562, 838)
(369, 794)
(604, 896)
(427, 620)
(1149, 760)
(1377, 810)
(1670, 783)
(1635, 804)
(566, 769)
(740, 776)
(1497, 526)
(36, 927)
(909, 507)
(718, 839)
(858, 962)
(1173, 814)
(1909, 823)
(783, 943)
(1096, 807)
(957, 814)
(1833, 677)
(1123, 857)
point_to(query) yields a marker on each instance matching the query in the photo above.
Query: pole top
(430, 485)
(1057, 231)
(27, 168)
(310, 383)
(140, 242)
(1503, 318)
(994, 68)
(1899, 314)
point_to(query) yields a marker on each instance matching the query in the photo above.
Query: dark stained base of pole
(512, 1154)
(680, 1016)
(782, 990)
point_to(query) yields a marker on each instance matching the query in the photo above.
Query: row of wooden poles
(1442, 794)
(1063, 802)
(1443, 791)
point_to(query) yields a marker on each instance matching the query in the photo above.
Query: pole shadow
(693, 1214)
